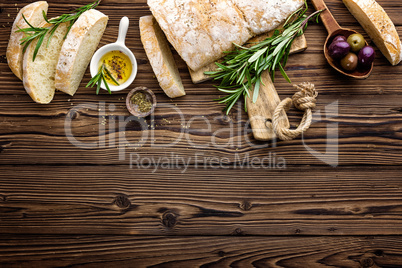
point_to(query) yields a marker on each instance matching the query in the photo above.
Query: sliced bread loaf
(33, 14)
(38, 75)
(160, 57)
(378, 26)
(77, 50)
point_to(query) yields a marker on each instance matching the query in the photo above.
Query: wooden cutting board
(260, 113)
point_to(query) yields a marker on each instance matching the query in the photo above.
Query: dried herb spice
(141, 100)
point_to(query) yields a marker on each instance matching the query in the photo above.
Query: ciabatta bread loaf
(201, 30)
(38, 75)
(160, 57)
(77, 50)
(378, 26)
(33, 14)
(265, 15)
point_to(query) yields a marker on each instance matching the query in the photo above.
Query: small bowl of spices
(117, 59)
(141, 102)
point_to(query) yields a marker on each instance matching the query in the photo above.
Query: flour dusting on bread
(15, 55)
(265, 15)
(201, 30)
(77, 50)
(160, 57)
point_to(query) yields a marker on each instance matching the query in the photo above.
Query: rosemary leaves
(241, 69)
(32, 33)
(102, 76)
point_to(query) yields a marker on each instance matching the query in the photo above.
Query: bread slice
(378, 26)
(160, 57)
(15, 55)
(38, 75)
(77, 50)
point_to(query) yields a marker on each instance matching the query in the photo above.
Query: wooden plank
(202, 200)
(30, 131)
(38, 148)
(364, 107)
(129, 251)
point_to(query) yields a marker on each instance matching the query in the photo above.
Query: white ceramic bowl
(118, 45)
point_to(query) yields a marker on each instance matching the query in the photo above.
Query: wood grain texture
(208, 252)
(369, 131)
(178, 200)
(61, 205)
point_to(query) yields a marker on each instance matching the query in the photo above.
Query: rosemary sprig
(32, 33)
(241, 68)
(101, 76)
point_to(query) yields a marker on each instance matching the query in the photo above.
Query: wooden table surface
(83, 184)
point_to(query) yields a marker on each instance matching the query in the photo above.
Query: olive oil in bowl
(118, 64)
(116, 59)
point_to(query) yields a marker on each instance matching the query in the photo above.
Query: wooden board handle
(260, 113)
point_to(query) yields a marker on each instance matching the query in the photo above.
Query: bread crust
(158, 53)
(201, 30)
(71, 46)
(378, 26)
(14, 52)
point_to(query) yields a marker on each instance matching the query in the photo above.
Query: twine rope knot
(304, 100)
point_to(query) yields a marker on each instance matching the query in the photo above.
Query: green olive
(349, 62)
(356, 42)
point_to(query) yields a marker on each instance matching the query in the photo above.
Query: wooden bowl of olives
(349, 53)
(345, 49)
